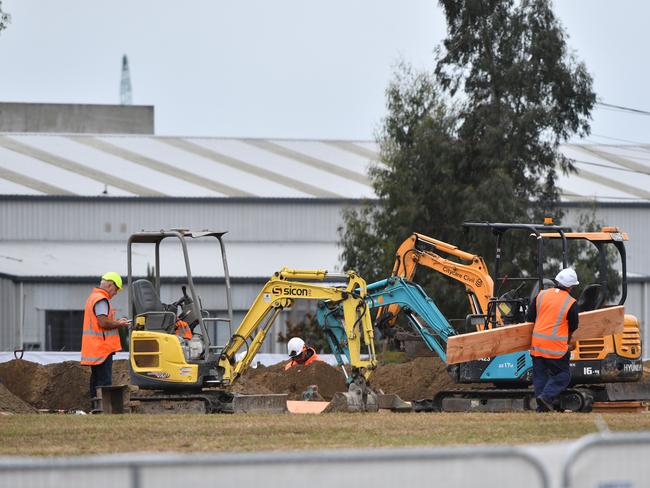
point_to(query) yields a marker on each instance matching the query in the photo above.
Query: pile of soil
(25, 386)
(24, 379)
(274, 379)
(57, 386)
(414, 380)
(10, 403)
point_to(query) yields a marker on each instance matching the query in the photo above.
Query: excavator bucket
(358, 398)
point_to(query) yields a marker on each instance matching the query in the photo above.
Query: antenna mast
(125, 85)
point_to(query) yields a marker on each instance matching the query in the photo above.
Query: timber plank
(611, 407)
(514, 338)
(297, 406)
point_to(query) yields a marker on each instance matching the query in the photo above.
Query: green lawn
(58, 435)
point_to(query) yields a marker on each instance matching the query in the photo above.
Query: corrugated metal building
(68, 203)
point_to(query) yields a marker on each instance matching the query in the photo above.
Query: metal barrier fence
(609, 461)
(453, 468)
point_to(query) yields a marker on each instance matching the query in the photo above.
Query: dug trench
(29, 387)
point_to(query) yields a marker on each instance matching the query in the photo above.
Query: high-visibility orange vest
(551, 331)
(293, 362)
(183, 330)
(97, 343)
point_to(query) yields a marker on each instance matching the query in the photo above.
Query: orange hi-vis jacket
(97, 343)
(551, 331)
(311, 359)
(183, 330)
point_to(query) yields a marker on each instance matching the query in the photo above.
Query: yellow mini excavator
(189, 372)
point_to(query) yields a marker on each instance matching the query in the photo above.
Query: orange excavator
(609, 364)
(419, 250)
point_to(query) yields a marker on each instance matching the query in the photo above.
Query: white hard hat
(294, 346)
(567, 278)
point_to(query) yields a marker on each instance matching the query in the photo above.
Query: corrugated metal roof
(143, 165)
(84, 259)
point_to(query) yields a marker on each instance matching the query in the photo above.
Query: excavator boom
(280, 292)
(423, 251)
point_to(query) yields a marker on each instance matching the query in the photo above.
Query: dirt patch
(57, 386)
(414, 380)
(121, 372)
(25, 379)
(12, 404)
(67, 387)
(64, 386)
(274, 379)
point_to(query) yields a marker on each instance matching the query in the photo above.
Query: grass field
(58, 435)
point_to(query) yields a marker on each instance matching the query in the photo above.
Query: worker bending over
(300, 353)
(555, 314)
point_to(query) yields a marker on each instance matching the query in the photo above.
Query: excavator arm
(420, 250)
(424, 316)
(278, 293)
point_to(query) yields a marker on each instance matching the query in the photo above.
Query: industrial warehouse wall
(631, 218)
(9, 314)
(42, 297)
(38, 298)
(114, 219)
(247, 220)
(74, 219)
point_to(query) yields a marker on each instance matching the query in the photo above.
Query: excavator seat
(535, 291)
(591, 298)
(147, 304)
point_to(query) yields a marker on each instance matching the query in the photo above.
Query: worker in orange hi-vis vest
(300, 353)
(555, 314)
(100, 337)
(182, 330)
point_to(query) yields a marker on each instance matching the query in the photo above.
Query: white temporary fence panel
(453, 468)
(609, 461)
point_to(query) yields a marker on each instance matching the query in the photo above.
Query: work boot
(544, 405)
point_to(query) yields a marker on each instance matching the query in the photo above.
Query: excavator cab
(616, 358)
(515, 289)
(611, 359)
(159, 358)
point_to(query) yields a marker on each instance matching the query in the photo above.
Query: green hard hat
(114, 277)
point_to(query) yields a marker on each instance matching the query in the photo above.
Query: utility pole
(125, 84)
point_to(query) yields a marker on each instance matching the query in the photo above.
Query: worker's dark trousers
(101, 375)
(551, 376)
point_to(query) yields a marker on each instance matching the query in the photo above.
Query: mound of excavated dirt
(418, 379)
(57, 386)
(413, 380)
(274, 379)
(12, 404)
(25, 379)
(64, 386)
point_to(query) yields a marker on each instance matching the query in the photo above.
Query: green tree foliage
(308, 330)
(5, 19)
(476, 140)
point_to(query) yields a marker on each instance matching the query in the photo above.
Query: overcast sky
(284, 68)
